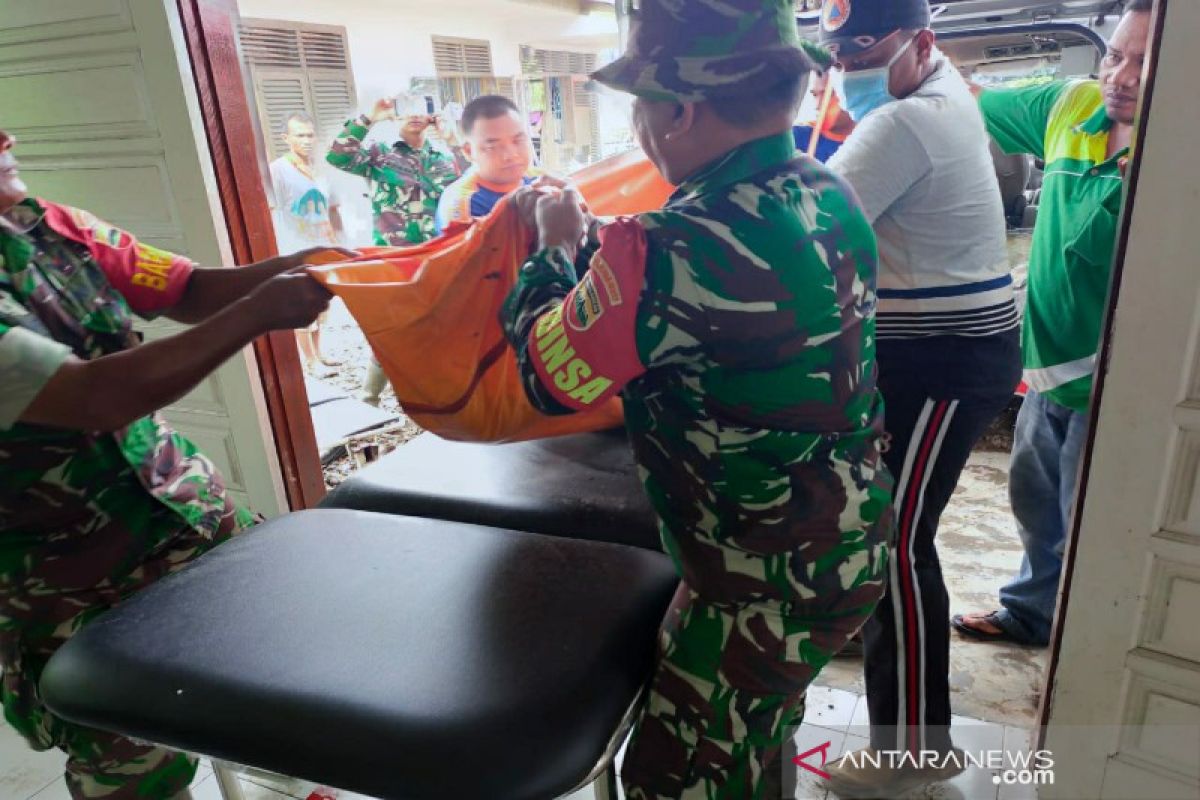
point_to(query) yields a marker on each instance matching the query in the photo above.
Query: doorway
(985, 474)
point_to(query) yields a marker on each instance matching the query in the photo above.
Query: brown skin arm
(236, 306)
(210, 290)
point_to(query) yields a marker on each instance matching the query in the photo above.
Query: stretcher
(583, 486)
(399, 657)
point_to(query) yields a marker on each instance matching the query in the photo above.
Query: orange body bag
(431, 314)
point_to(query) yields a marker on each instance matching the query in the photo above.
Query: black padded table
(583, 486)
(394, 656)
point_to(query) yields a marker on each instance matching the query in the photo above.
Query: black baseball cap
(850, 26)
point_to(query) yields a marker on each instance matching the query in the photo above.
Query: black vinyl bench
(583, 486)
(399, 657)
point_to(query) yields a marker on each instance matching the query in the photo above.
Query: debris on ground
(999, 436)
(347, 353)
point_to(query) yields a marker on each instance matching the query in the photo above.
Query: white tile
(855, 742)
(280, 784)
(860, 720)
(55, 791)
(975, 735)
(973, 784)
(810, 786)
(206, 788)
(829, 708)
(253, 791)
(1017, 740)
(586, 793)
(23, 771)
(1009, 791)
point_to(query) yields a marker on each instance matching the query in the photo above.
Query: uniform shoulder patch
(599, 289)
(100, 231)
(835, 14)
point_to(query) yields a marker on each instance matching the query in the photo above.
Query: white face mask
(868, 89)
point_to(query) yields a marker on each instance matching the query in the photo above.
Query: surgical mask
(868, 89)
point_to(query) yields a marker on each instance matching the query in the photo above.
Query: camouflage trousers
(730, 685)
(35, 620)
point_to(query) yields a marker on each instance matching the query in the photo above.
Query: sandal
(960, 624)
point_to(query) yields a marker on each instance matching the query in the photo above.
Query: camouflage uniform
(87, 518)
(406, 182)
(738, 325)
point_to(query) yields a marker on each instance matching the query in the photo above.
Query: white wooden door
(1124, 707)
(101, 98)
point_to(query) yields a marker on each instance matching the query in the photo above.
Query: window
(298, 67)
(558, 87)
(535, 61)
(464, 70)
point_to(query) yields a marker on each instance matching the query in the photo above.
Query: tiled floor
(840, 718)
(27, 775)
(833, 715)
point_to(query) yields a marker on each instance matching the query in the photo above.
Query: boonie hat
(694, 50)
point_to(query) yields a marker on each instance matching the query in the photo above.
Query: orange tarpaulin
(430, 313)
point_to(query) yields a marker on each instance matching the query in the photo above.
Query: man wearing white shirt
(949, 351)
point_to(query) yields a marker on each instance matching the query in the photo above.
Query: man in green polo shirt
(1082, 130)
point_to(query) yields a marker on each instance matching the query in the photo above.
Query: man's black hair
(749, 109)
(488, 106)
(1139, 5)
(302, 117)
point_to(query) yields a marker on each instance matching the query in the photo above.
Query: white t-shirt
(301, 208)
(922, 170)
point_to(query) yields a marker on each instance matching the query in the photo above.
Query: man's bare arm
(109, 392)
(210, 290)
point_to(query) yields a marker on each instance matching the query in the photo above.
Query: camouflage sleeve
(461, 162)
(27, 362)
(576, 341)
(443, 170)
(347, 152)
(151, 280)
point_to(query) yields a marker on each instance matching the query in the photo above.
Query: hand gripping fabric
(430, 313)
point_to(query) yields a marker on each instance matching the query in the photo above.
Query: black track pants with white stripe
(940, 395)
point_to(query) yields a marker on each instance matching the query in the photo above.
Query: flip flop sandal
(959, 622)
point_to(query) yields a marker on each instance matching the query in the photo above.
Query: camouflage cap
(694, 50)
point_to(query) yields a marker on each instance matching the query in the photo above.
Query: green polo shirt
(1070, 263)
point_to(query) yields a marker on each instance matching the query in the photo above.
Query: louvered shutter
(505, 88)
(579, 131)
(536, 62)
(298, 67)
(278, 93)
(465, 70)
(461, 57)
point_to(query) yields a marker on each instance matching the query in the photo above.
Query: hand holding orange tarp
(430, 313)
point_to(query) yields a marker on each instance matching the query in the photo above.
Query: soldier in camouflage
(98, 496)
(737, 324)
(407, 178)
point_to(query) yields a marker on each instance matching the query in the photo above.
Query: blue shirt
(826, 147)
(468, 198)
